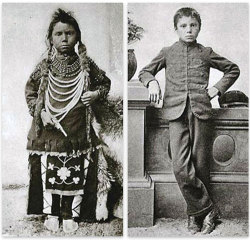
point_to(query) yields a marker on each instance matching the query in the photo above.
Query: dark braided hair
(64, 17)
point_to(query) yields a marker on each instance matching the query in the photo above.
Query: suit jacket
(187, 69)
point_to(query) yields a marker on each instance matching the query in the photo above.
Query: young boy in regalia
(59, 94)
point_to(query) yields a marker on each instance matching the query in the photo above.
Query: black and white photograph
(62, 119)
(188, 75)
(124, 119)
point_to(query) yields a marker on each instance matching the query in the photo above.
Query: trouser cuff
(201, 212)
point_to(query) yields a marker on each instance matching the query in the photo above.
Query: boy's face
(64, 37)
(188, 29)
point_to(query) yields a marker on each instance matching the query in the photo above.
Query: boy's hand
(46, 119)
(154, 92)
(89, 97)
(212, 92)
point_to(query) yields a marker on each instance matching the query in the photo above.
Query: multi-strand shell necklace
(58, 87)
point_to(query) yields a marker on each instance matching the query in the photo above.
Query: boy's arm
(231, 71)
(31, 89)
(147, 76)
(99, 81)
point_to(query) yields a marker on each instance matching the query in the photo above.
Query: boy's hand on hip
(212, 92)
(154, 92)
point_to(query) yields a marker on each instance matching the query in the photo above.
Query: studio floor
(15, 222)
(178, 228)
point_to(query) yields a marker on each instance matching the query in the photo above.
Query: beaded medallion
(66, 69)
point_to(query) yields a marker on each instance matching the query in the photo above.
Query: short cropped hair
(64, 17)
(187, 12)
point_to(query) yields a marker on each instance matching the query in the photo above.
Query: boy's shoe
(69, 226)
(194, 224)
(210, 221)
(52, 223)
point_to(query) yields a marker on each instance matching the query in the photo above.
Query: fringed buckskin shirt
(187, 69)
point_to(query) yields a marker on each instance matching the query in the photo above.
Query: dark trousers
(190, 150)
(62, 206)
(35, 197)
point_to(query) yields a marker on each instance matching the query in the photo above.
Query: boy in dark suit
(187, 105)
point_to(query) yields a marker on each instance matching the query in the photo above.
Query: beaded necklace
(64, 69)
(74, 94)
(43, 95)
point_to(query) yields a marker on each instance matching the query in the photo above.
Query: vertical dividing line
(125, 119)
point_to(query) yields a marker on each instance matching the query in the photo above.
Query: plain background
(24, 28)
(224, 27)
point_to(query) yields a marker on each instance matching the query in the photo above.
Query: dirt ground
(15, 222)
(178, 228)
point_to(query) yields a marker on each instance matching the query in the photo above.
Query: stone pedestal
(152, 189)
(140, 187)
(228, 164)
